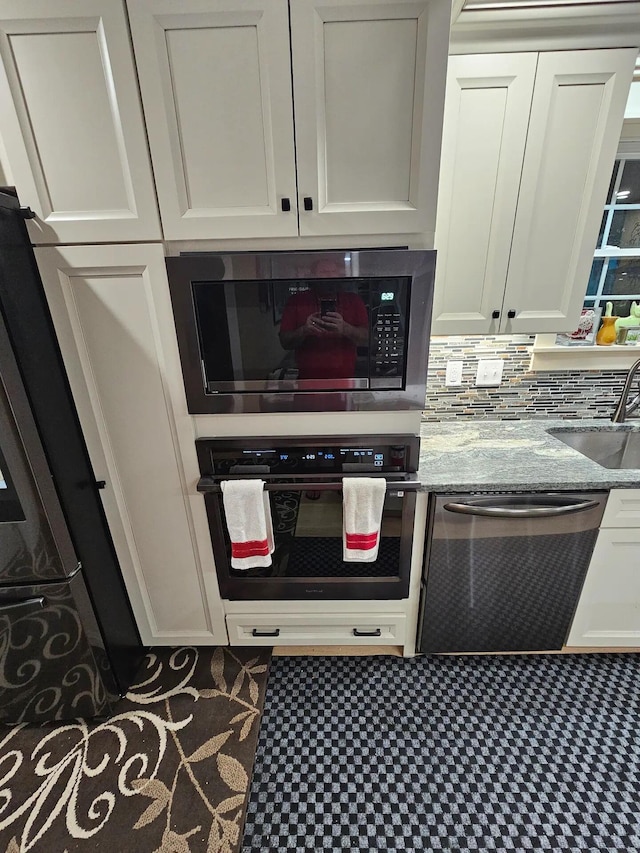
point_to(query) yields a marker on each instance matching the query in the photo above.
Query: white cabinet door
(112, 314)
(368, 83)
(215, 77)
(608, 613)
(524, 176)
(485, 130)
(574, 129)
(71, 121)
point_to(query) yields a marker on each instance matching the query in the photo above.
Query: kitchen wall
(522, 394)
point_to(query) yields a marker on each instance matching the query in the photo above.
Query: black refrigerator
(69, 646)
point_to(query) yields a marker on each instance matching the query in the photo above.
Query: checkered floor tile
(509, 753)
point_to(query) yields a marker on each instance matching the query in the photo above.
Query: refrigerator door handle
(37, 603)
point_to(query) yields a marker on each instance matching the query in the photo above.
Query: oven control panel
(316, 459)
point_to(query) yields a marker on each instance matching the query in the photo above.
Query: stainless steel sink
(610, 448)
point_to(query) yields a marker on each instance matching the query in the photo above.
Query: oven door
(307, 562)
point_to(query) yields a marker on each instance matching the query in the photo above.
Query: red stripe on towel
(253, 548)
(362, 541)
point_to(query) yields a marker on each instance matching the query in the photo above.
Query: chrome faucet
(626, 407)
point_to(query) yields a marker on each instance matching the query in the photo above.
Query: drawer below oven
(319, 629)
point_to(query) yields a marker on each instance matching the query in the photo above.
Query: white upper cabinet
(528, 145)
(221, 82)
(215, 78)
(368, 81)
(485, 132)
(71, 121)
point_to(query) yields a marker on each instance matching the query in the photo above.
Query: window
(615, 273)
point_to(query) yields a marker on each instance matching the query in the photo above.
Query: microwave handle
(206, 484)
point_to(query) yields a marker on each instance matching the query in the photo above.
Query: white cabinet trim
(534, 26)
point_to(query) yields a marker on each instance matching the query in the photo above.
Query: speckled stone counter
(476, 454)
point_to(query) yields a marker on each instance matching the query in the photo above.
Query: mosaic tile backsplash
(522, 394)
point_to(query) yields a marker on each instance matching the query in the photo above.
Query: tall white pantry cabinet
(111, 309)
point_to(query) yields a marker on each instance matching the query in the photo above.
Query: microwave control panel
(388, 343)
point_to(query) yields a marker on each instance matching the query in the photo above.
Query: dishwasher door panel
(508, 578)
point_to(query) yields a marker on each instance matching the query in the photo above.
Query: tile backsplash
(522, 394)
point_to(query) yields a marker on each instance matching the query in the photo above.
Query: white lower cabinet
(608, 612)
(327, 629)
(112, 314)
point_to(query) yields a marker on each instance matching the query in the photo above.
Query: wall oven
(303, 331)
(304, 481)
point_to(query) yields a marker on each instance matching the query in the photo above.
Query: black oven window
(307, 530)
(325, 332)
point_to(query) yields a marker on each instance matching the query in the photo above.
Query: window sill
(546, 355)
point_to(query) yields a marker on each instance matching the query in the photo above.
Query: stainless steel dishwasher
(504, 571)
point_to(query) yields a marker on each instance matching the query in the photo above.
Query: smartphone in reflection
(327, 305)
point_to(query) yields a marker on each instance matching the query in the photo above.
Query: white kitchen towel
(362, 503)
(248, 516)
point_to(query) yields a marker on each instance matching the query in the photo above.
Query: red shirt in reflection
(328, 356)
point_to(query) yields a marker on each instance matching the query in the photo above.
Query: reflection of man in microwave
(325, 325)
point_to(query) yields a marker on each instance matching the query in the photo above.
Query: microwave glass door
(312, 334)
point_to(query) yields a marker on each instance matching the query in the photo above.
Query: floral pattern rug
(168, 772)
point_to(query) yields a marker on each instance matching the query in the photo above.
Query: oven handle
(206, 484)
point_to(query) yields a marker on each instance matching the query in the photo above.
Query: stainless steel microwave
(303, 331)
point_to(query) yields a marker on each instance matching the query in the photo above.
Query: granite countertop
(505, 455)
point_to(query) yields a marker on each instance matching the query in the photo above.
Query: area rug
(168, 772)
(482, 753)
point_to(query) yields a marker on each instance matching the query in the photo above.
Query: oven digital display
(307, 460)
(361, 455)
